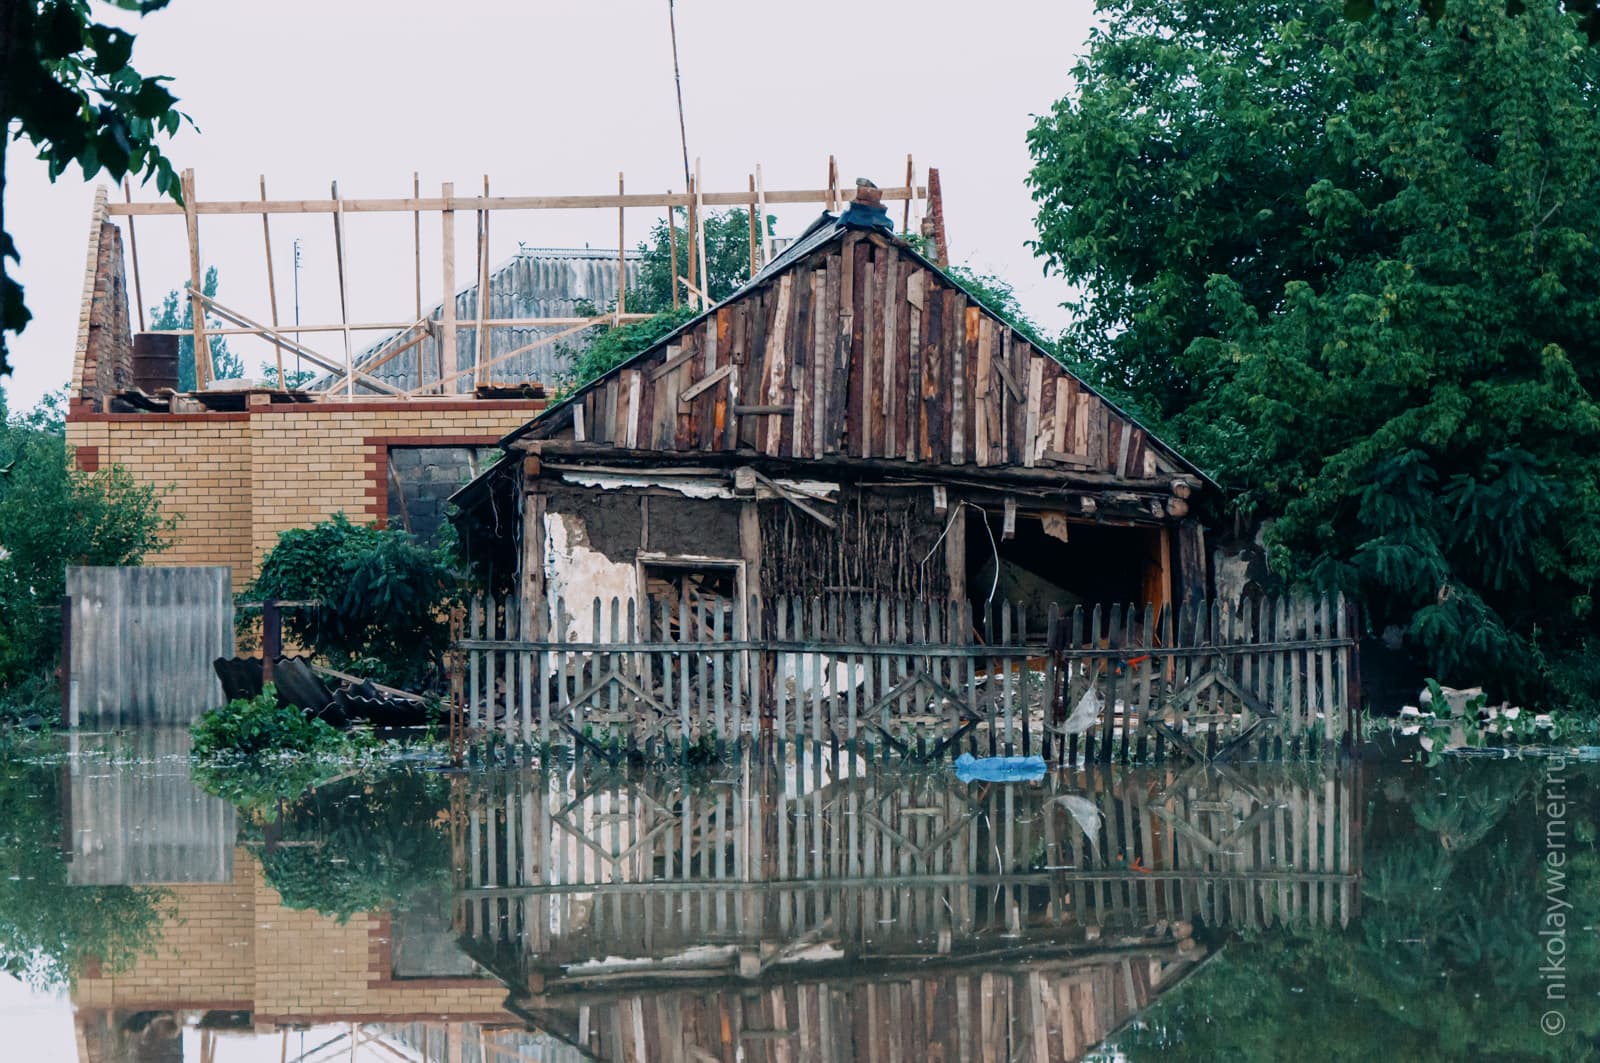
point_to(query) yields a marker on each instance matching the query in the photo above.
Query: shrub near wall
(385, 599)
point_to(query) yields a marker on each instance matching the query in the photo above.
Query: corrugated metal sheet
(535, 282)
(143, 639)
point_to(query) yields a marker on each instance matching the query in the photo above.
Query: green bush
(385, 598)
(254, 726)
(1359, 296)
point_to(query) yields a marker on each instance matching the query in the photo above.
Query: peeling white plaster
(577, 572)
(799, 673)
(692, 487)
(693, 956)
(686, 487)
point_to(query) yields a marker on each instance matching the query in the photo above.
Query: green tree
(294, 378)
(1359, 294)
(727, 260)
(68, 86)
(177, 312)
(52, 516)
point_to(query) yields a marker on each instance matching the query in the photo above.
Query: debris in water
(999, 769)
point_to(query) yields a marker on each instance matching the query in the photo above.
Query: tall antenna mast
(297, 368)
(677, 78)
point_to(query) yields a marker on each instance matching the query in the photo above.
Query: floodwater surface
(809, 909)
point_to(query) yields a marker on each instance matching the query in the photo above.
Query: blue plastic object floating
(999, 769)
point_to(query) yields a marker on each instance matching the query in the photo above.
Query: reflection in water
(149, 825)
(50, 932)
(839, 911)
(813, 910)
(1480, 932)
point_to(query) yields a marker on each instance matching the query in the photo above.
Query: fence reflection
(827, 908)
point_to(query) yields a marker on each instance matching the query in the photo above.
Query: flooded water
(814, 909)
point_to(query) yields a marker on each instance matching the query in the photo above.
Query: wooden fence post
(271, 637)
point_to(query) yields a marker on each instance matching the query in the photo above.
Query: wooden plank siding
(860, 351)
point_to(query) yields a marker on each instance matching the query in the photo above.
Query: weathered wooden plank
(825, 352)
(862, 368)
(1032, 415)
(981, 360)
(686, 435)
(1098, 415)
(738, 357)
(713, 357)
(843, 320)
(875, 364)
(1066, 414)
(753, 386)
(777, 364)
(912, 386)
(933, 383)
(960, 434)
(810, 296)
(705, 383)
(894, 313)
(951, 323)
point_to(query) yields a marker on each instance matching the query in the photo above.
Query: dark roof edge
(466, 496)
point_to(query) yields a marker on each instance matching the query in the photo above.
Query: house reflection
(823, 909)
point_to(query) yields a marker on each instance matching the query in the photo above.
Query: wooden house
(853, 420)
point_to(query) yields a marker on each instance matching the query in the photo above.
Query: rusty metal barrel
(155, 361)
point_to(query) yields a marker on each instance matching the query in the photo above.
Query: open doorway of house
(1049, 560)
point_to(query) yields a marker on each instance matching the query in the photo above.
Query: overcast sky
(548, 98)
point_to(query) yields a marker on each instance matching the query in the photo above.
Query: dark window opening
(704, 590)
(421, 481)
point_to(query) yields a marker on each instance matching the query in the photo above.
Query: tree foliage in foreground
(68, 86)
(1351, 266)
(52, 516)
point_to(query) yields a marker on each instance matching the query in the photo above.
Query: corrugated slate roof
(535, 282)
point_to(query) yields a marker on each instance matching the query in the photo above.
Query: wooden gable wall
(861, 351)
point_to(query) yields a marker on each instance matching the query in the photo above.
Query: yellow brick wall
(206, 951)
(237, 480)
(236, 944)
(308, 463)
(308, 964)
(202, 465)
